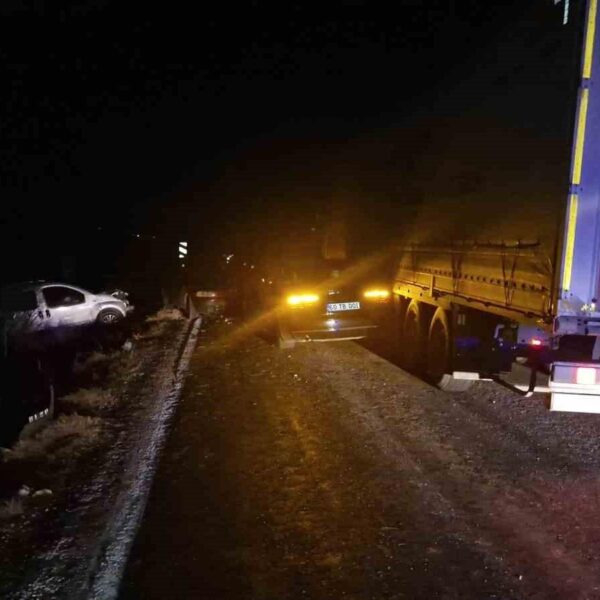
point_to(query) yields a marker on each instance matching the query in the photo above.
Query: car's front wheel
(109, 316)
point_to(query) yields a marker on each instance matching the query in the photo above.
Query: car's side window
(58, 295)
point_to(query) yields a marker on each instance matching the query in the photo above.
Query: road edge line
(108, 568)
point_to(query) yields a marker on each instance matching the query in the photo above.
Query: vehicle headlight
(302, 299)
(377, 294)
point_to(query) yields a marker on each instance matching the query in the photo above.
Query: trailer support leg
(526, 393)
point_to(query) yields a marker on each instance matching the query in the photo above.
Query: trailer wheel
(412, 338)
(438, 355)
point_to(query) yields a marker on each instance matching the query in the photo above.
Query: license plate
(338, 306)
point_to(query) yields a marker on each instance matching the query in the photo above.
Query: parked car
(321, 304)
(211, 302)
(41, 306)
(43, 326)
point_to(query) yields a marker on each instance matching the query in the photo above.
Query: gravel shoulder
(328, 472)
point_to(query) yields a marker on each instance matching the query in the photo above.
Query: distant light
(262, 279)
(183, 249)
(535, 342)
(252, 266)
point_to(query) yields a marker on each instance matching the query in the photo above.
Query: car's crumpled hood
(107, 298)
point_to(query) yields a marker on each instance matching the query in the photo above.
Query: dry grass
(89, 400)
(91, 362)
(166, 314)
(160, 323)
(158, 329)
(66, 436)
(11, 508)
(102, 370)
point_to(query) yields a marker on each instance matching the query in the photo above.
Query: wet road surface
(328, 472)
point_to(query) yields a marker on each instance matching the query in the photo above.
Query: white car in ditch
(36, 306)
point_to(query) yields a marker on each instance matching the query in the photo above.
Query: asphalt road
(328, 472)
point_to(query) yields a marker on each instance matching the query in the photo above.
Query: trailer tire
(438, 355)
(400, 305)
(411, 343)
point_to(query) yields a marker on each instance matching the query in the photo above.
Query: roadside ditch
(73, 489)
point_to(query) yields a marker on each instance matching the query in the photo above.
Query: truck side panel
(512, 281)
(579, 284)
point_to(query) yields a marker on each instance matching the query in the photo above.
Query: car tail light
(585, 375)
(377, 294)
(302, 299)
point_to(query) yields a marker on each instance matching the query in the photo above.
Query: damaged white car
(39, 306)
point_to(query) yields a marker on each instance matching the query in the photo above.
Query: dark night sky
(112, 111)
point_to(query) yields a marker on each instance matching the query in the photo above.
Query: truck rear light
(570, 374)
(575, 387)
(585, 376)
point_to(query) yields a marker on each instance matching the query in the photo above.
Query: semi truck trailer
(502, 261)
